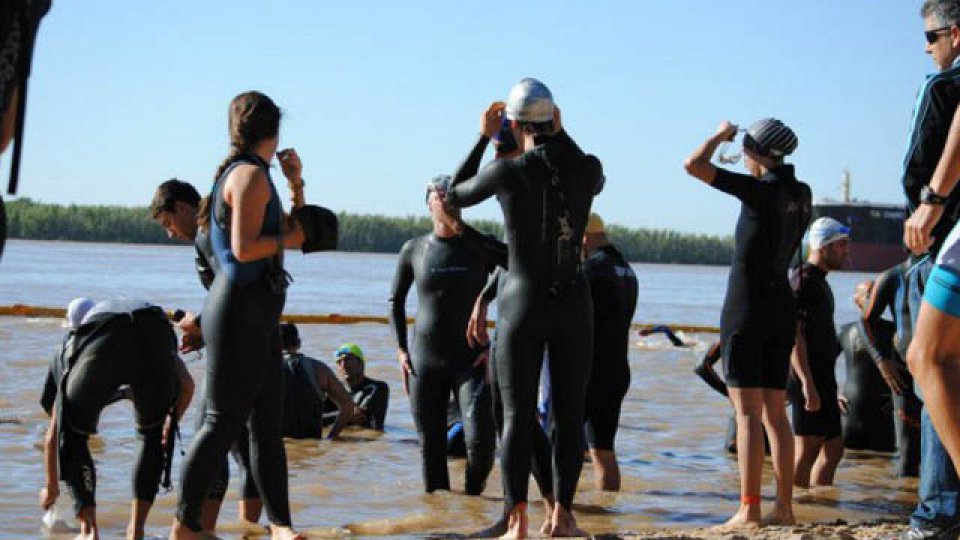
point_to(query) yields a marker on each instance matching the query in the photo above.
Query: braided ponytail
(253, 117)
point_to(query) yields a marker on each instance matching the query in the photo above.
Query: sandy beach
(835, 530)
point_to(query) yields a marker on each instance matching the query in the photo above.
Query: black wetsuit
(449, 274)
(615, 289)
(122, 344)
(815, 308)
(887, 290)
(241, 319)
(372, 396)
(868, 424)
(303, 399)
(541, 462)
(545, 195)
(758, 323)
(207, 268)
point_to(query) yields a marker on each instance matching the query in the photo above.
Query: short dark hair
(169, 193)
(289, 336)
(946, 11)
(537, 128)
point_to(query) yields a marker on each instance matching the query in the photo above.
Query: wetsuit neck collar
(363, 382)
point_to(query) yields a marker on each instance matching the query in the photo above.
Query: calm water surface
(669, 444)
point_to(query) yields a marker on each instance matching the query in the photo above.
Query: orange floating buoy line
(24, 310)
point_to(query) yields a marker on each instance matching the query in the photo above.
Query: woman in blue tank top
(248, 231)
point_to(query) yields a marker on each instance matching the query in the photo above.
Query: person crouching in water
(816, 412)
(114, 343)
(758, 322)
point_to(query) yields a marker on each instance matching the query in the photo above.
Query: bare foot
(564, 525)
(747, 516)
(779, 516)
(547, 517)
(285, 533)
(517, 525)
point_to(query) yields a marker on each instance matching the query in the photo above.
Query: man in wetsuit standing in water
(545, 194)
(448, 274)
(614, 288)
(818, 432)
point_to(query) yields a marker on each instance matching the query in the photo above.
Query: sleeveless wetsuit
(120, 342)
(241, 319)
(868, 425)
(449, 274)
(545, 195)
(303, 399)
(372, 396)
(815, 310)
(758, 322)
(614, 288)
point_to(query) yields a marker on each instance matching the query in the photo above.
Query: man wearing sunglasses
(931, 170)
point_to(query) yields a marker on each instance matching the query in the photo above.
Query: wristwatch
(929, 196)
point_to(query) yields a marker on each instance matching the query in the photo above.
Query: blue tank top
(243, 273)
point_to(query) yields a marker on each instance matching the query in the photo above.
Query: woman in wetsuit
(545, 194)
(449, 274)
(759, 321)
(241, 315)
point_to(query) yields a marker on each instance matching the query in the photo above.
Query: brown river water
(670, 442)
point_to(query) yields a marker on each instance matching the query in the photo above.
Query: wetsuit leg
(519, 355)
(241, 456)
(571, 349)
(104, 364)
(218, 488)
(473, 398)
(155, 387)
(605, 394)
(430, 388)
(238, 326)
(79, 473)
(541, 462)
(148, 467)
(268, 457)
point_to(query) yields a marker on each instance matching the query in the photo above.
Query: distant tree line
(364, 233)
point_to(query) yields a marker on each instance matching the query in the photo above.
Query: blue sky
(380, 96)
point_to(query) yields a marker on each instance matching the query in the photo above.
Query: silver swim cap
(770, 137)
(530, 101)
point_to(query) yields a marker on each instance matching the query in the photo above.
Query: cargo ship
(876, 229)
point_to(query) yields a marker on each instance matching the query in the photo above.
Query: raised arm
(698, 164)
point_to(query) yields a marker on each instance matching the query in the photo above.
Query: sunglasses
(933, 35)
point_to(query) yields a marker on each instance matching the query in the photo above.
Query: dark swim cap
(770, 138)
(289, 336)
(438, 183)
(320, 226)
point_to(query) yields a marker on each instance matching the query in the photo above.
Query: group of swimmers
(770, 323)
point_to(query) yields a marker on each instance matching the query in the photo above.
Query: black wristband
(929, 196)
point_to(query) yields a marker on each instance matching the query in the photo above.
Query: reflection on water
(670, 444)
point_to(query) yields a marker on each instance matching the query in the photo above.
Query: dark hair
(171, 192)
(537, 128)
(253, 117)
(289, 336)
(946, 11)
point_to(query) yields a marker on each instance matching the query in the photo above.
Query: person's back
(303, 400)
(868, 422)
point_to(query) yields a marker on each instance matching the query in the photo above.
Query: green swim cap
(349, 348)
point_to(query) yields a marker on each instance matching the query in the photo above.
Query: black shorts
(825, 422)
(752, 361)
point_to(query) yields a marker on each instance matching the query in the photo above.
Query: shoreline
(839, 529)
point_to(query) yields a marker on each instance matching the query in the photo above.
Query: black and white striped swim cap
(770, 137)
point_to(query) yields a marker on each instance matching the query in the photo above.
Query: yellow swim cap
(349, 348)
(594, 224)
